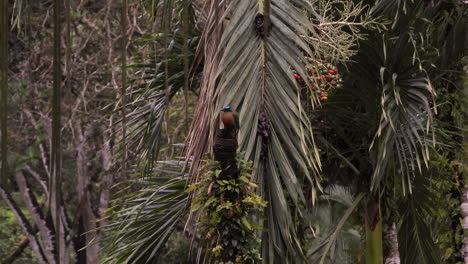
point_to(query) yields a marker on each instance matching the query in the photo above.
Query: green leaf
(246, 223)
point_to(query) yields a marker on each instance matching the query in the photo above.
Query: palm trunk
(373, 228)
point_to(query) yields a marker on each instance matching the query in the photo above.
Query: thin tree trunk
(36, 216)
(392, 255)
(68, 46)
(464, 212)
(186, 26)
(22, 246)
(124, 26)
(464, 198)
(55, 183)
(4, 29)
(106, 182)
(87, 215)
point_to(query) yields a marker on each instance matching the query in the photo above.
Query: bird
(230, 119)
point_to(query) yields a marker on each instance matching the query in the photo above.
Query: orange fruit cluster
(323, 78)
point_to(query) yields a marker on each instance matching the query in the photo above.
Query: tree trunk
(4, 30)
(464, 212)
(464, 198)
(55, 182)
(373, 228)
(392, 255)
(88, 219)
(37, 217)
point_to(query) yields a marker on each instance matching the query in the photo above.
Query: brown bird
(230, 119)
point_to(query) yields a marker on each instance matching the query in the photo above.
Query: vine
(227, 207)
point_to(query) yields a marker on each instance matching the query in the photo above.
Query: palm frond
(450, 22)
(340, 194)
(329, 244)
(140, 228)
(255, 76)
(198, 140)
(150, 98)
(156, 77)
(415, 242)
(407, 99)
(404, 126)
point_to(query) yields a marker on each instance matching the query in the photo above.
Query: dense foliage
(225, 207)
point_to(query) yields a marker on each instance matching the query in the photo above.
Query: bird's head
(227, 108)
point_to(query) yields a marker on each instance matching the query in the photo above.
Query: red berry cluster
(323, 95)
(323, 78)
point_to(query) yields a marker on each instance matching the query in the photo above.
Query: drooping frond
(155, 78)
(409, 65)
(325, 248)
(407, 99)
(198, 141)
(261, 50)
(150, 98)
(144, 223)
(404, 126)
(415, 241)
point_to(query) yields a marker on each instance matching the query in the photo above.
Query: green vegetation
(225, 207)
(11, 236)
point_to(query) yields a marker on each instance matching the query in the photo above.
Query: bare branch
(37, 217)
(25, 225)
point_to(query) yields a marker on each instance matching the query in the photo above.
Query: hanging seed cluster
(264, 132)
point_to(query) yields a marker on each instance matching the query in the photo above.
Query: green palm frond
(415, 242)
(334, 235)
(157, 76)
(140, 228)
(450, 22)
(150, 98)
(404, 125)
(407, 97)
(261, 50)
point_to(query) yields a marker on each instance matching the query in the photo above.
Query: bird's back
(228, 119)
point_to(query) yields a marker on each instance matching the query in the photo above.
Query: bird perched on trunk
(230, 119)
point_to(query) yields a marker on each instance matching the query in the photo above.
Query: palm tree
(381, 124)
